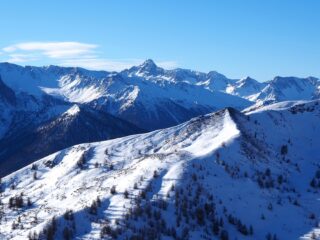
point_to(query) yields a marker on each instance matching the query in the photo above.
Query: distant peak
(215, 74)
(148, 62)
(149, 67)
(291, 78)
(247, 79)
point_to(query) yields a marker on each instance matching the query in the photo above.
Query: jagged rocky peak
(149, 67)
(247, 79)
(149, 63)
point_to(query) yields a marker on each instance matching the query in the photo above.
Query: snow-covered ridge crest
(151, 97)
(83, 86)
(71, 179)
(233, 160)
(210, 140)
(162, 97)
(74, 110)
(280, 106)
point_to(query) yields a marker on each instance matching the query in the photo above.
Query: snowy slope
(152, 97)
(167, 103)
(24, 144)
(32, 127)
(146, 95)
(247, 88)
(35, 80)
(221, 174)
(82, 86)
(290, 88)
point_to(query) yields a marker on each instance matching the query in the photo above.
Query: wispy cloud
(54, 49)
(69, 54)
(22, 58)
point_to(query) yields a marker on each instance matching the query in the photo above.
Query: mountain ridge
(146, 96)
(227, 154)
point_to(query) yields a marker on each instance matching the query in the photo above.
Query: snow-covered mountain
(225, 175)
(169, 97)
(144, 97)
(33, 126)
(276, 90)
(290, 88)
(152, 97)
(247, 88)
(82, 86)
(147, 95)
(33, 101)
(33, 135)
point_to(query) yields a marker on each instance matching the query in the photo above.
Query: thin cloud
(69, 54)
(21, 58)
(54, 49)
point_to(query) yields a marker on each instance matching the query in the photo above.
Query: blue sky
(259, 38)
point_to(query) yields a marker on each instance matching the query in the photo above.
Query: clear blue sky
(259, 38)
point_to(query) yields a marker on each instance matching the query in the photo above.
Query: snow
(212, 138)
(229, 151)
(289, 88)
(82, 86)
(275, 106)
(204, 146)
(62, 186)
(74, 110)
(143, 88)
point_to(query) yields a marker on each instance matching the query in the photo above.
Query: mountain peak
(149, 67)
(248, 80)
(149, 62)
(215, 74)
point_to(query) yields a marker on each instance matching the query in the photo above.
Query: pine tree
(269, 236)
(67, 233)
(98, 200)
(126, 194)
(113, 190)
(251, 230)
(51, 229)
(313, 183)
(284, 149)
(93, 208)
(29, 202)
(224, 235)
(155, 174)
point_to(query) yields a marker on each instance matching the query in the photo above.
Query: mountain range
(224, 175)
(34, 102)
(150, 153)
